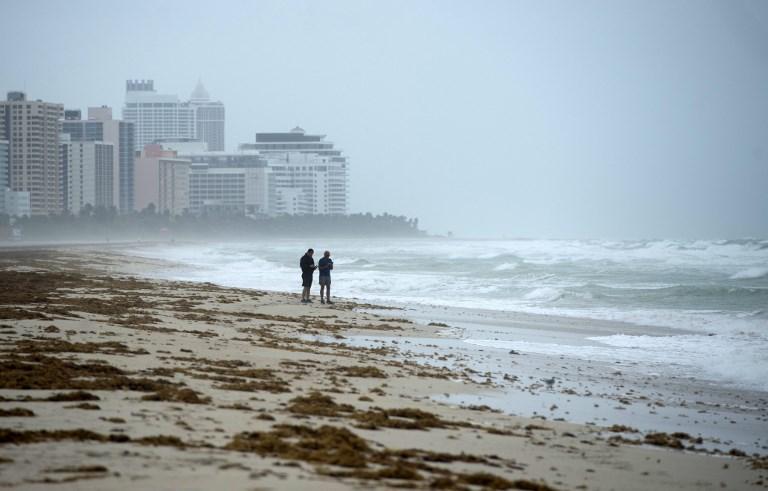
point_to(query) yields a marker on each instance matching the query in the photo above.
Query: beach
(117, 376)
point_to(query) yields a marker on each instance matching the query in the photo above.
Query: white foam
(733, 360)
(505, 267)
(750, 274)
(546, 294)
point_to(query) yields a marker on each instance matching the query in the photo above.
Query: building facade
(306, 183)
(173, 186)
(209, 119)
(101, 127)
(307, 174)
(89, 170)
(161, 117)
(32, 130)
(156, 116)
(147, 175)
(5, 151)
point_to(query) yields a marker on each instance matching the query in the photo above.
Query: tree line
(107, 224)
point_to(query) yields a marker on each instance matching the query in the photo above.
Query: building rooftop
(199, 94)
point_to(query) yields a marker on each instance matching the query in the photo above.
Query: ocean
(712, 295)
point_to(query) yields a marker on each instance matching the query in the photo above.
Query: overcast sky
(609, 119)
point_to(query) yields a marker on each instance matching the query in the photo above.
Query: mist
(498, 119)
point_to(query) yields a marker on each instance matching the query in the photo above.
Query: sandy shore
(111, 381)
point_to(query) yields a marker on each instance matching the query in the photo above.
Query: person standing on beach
(325, 265)
(307, 265)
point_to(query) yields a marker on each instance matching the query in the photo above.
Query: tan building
(155, 166)
(174, 186)
(32, 129)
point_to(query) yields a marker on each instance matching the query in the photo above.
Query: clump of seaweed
(176, 394)
(325, 445)
(622, 429)
(85, 405)
(53, 345)
(662, 440)
(343, 454)
(80, 469)
(38, 436)
(274, 386)
(318, 404)
(362, 372)
(16, 412)
(400, 418)
(79, 395)
(38, 371)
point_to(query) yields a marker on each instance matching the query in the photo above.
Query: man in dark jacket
(307, 265)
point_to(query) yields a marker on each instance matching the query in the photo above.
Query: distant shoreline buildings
(165, 154)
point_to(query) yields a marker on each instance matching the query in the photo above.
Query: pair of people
(324, 265)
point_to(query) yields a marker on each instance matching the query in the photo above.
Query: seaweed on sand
(38, 371)
(341, 453)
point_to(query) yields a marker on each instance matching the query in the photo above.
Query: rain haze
(384, 244)
(492, 119)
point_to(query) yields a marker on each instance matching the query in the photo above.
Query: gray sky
(612, 119)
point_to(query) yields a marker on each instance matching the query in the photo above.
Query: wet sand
(112, 381)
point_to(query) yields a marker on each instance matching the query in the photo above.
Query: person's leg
(322, 290)
(328, 292)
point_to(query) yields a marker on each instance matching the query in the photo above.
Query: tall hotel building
(100, 127)
(5, 151)
(209, 119)
(156, 116)
(32, 130)
(88, 173)
(307, 174)
(161, 117)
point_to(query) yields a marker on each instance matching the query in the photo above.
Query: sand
(112, 381)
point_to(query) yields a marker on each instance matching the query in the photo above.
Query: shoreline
(585, 391)
(215, 362)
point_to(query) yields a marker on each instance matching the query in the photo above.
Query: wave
(545, 294)
(505, 267)
(750, 274)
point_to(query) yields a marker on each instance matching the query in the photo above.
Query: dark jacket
(307, 264)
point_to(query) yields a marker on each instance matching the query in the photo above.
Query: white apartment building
(160, 117)
(155, 115)
(89, 173)
(101, 127)
(209, 118)
(307, 174)
(306, 183)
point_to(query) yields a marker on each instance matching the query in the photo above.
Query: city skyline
(156, 157)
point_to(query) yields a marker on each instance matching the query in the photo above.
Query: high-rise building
(88, 167)
(5, 150)
(101, 127)
(32, 130)
(209, 118)
(306, 184)
(156, 116)
(307, 174)
(173, 185)
(228, 183)
(147, 175)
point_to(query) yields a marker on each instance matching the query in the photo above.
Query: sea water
(714, 294)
